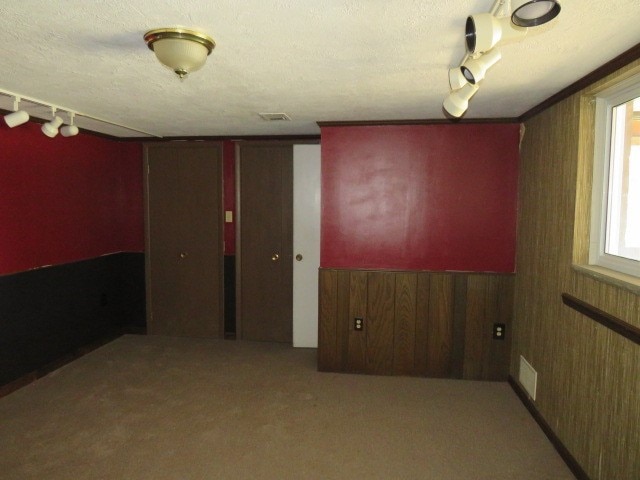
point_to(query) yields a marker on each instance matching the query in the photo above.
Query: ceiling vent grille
(274, 117)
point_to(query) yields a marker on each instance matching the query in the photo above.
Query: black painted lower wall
(49, 312)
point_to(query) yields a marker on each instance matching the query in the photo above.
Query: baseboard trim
(571, 462)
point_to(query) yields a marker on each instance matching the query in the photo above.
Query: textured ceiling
(329, 60)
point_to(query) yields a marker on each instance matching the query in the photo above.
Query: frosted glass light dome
(183, 51)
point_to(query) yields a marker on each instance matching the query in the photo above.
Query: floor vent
(528, 377)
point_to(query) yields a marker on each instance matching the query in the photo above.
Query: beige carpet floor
(145, 407)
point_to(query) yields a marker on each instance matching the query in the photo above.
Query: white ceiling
(316, 60)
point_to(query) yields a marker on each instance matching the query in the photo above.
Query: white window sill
(611, 277)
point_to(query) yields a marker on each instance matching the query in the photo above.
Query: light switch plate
(228, 216)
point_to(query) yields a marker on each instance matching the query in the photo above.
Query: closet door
(266, 242)
(184, 239)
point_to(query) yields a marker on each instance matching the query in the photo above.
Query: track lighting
(50, 129)
(475, 69)
(69, 130)
(484, 31)
(18, 117)
(507, 20)
(458, 101)
(531, 13)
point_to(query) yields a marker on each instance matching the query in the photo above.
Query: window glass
(623, 205)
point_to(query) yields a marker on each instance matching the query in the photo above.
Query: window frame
(606, 100)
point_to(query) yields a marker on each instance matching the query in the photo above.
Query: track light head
(50, 129)
(475, 69)
(531, 13)
(18, 117)
(456, 79)
(458, 101)
(70, 130)
(483, 31)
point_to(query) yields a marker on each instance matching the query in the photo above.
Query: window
(615, 221)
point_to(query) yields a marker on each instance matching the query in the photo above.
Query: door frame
(238, 212)
(147, 224)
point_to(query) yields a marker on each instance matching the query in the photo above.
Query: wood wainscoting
(415, 323)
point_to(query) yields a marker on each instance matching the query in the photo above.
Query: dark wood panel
(357, 341)
(422, 323)
(427, 324)
(475, 335)
(440, 326)
(459, 326)
(496, 362)
(327, 320)
(342, 326)
(47, 313)
(380, 322)
(405, 324)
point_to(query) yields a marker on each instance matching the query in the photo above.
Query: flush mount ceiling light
(507, 20)
(182, 50)
(18, 117)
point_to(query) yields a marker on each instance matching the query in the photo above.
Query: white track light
(69, 130)
(18, 117)
(530, 13)
(457, 102)
(50, 129)
(475, 69)
(456, 78)
(484, 31)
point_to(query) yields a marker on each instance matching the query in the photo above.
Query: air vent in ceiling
(274, 117)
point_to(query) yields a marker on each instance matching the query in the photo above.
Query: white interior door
(306, 244)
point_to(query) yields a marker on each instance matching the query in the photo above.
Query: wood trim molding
(432, 121)
(563, 451)
(611, 322)
(598, 74)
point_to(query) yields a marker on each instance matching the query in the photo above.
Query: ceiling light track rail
(18, 117)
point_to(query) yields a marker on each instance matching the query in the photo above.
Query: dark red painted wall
(229, 179)
(67, 199)
(420, 197)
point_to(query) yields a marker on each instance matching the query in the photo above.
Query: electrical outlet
(358, 324)
(499, 331)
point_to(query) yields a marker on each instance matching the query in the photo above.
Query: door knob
(275, 257)
(299, 257)
(183, 255)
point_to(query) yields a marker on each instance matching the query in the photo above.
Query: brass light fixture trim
(181, 49)
(153, 36)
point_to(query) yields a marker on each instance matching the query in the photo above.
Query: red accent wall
(229, 182)
(420, 197)
(67, 199)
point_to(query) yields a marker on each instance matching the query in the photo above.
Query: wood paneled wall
(415, 323)
(588, 376)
